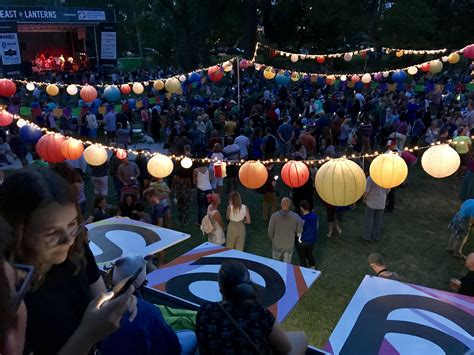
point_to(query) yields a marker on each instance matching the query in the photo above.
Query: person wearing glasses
(69, 310)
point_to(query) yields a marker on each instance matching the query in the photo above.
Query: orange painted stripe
(185, 258)
(300, 282)
(161, 287)
(274, 310)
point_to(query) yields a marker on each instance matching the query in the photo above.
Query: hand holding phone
(123, 285)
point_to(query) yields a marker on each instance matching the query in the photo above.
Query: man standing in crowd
(284, 227)
(128, 173)
(377, 264)
(244, 143)
(375, 198)
(100, 179)
(285, 135)
(110, 125)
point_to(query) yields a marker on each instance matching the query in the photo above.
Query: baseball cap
(126, 266)
(375, 258)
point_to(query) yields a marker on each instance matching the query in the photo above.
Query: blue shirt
(310, 228)
(285, 131)
(158, 211)
(110, 122)
(467, 209)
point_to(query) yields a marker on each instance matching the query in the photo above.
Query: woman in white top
(202, 180)
(216, 156)
(217, 235)
(238, 215)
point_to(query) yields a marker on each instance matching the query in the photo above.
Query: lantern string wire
(178, 158)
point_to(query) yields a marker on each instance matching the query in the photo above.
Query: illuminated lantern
(320, 59)
(330, 79)
(436, 66)
(294, 58)
(172, 85)
(388, 170)
(454, 57)
(269, 73)
(399, 76)
(138, 88)
(6, 118)
(469, 52)
(182, 78)
(385, 74)
(348, 57)
(294, 76)
(355, 78)
(194, 77)
(253, 174)
(72, 149)
(220, 169)
(71, 90)
(440, 161)
(340, 182)
(160, 166)
(7, 87)
(444, 58)
(112, 93)
(30, 134)
(125, 89)
(227, 66)
(52, 90)
(88, 93)
(95, 155)
(425, 67)
(343, 77)
(121, 154)
(399, 54)
(295, 173)
(158, 85)
(186, 162)
(366, 78)
(215, 73)
(412, 70)
(30, 86)
(21, 122)
(49, 148)
(244, 64)
(282, 79)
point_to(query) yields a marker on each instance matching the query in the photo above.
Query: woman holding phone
(69, 310)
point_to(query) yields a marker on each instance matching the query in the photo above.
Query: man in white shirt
(243, 142)
(375, 198)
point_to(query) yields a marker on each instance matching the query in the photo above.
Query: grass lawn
(413, 244)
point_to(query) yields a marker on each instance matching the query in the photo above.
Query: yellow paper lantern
(340, 182)
(294, 58)
(186, 163)
(453, 58)
(436, 66)
(253, 174)
(138, 88)
(348, 57)
(95, 155)
(227, 66)
(294, 76)
(399, 54)
(71, 90)
(160, 166)
(412, 70)
(366, 78)
(172, 85)
(30, 86)
(388, 170)
(269, 73)
(158, 85)
(440, 161)
(52, 90)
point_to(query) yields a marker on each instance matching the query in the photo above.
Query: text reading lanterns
(253, 174)
(295, 173)
(340, 182)
(72, 149)
(160, 166)
(49, 148)
(95, 155)
(440, 161)
(388, 170)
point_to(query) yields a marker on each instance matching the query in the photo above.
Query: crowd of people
(47, 207)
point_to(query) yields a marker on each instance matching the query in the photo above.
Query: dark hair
(7, 317)
(98, 200)
(235, 284)
(305, 205)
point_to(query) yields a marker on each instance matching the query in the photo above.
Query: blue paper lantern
(399, 76)
(112, 93)
(194, 77)
(282, 79)
(30, 134)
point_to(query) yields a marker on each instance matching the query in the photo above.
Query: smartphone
(123, 285)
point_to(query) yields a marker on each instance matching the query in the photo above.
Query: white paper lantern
(440, 161)
(182, 78)
(30, 86)
(412, 70)
(160, 166)
(227, 66)
(385, 74)
(186, 162)
(294, 58)
(343, 77)
(444, 59)
(138, 88)
(95, 155)
(366, 78)
(348, 57)
(71, 90)
(21, 122)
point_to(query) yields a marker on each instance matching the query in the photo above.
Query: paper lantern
(88, 93)
(125, 89)
(138, 88)
(112, 93)
(348, 57)
(385, 74)
(244, 64)
(294, 58)
(71, 90)
(6, 118)
(412, 70)
(388, 170)
(227, 66)
(294, 76)
(343, 77)
(158, 85)
(330, 79)
(95, 155)
(160, 166)
(399, 76)
(436, 66)
(30, 86)
(399, 54)
(194, 77)
(440, 161)
(52, 90)
(366, 78)
(378, 76)
(172, 85)
(30, 134)
(469, 52)
(186, 162)
(21, 122)
(282, 79)
(425, 67)
(444, 58)
(454, 57)
(295, 173)
(320, 59)
(253, 174)
(269, 73)
(49, 147)
(355, 78)
(215, 73)
(340, 182)
(7, 87)
(220, 169)
(121, 154)
(72, 149)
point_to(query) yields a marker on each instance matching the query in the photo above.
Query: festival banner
(10, 49)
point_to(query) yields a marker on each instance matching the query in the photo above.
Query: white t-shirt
(91, 121)
(243, 142)
(237, 216)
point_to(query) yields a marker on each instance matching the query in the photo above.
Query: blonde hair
(235, 201)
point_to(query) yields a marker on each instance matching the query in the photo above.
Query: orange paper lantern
(121, 154)
(72, 149)
(88, 93)
(253, 174)
(320, 59)
(7, 87)
(49, 148)
(425, 67)
(6, 118)
(295, 173)
(125, 89)
(215, 73)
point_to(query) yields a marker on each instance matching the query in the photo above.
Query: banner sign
(108, 42)
(9, 49)
(34, 14)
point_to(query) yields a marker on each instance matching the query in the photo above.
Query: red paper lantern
(125, 89)
(49, 148)
(121, 154)
(7, 87)
(425, 67)
(295, 173)
(6, 118)
(72, 149)
(320, 59)
(469, 52)
(355, 78)
(215, 73)
(88, 93)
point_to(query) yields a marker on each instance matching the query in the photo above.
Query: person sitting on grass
(377, 264)
(465, 286)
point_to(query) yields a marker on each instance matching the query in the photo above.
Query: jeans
(305, 253)
(202, 203)
(372, 223)
(282, 255)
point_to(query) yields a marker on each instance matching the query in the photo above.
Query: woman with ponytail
(239, 324)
